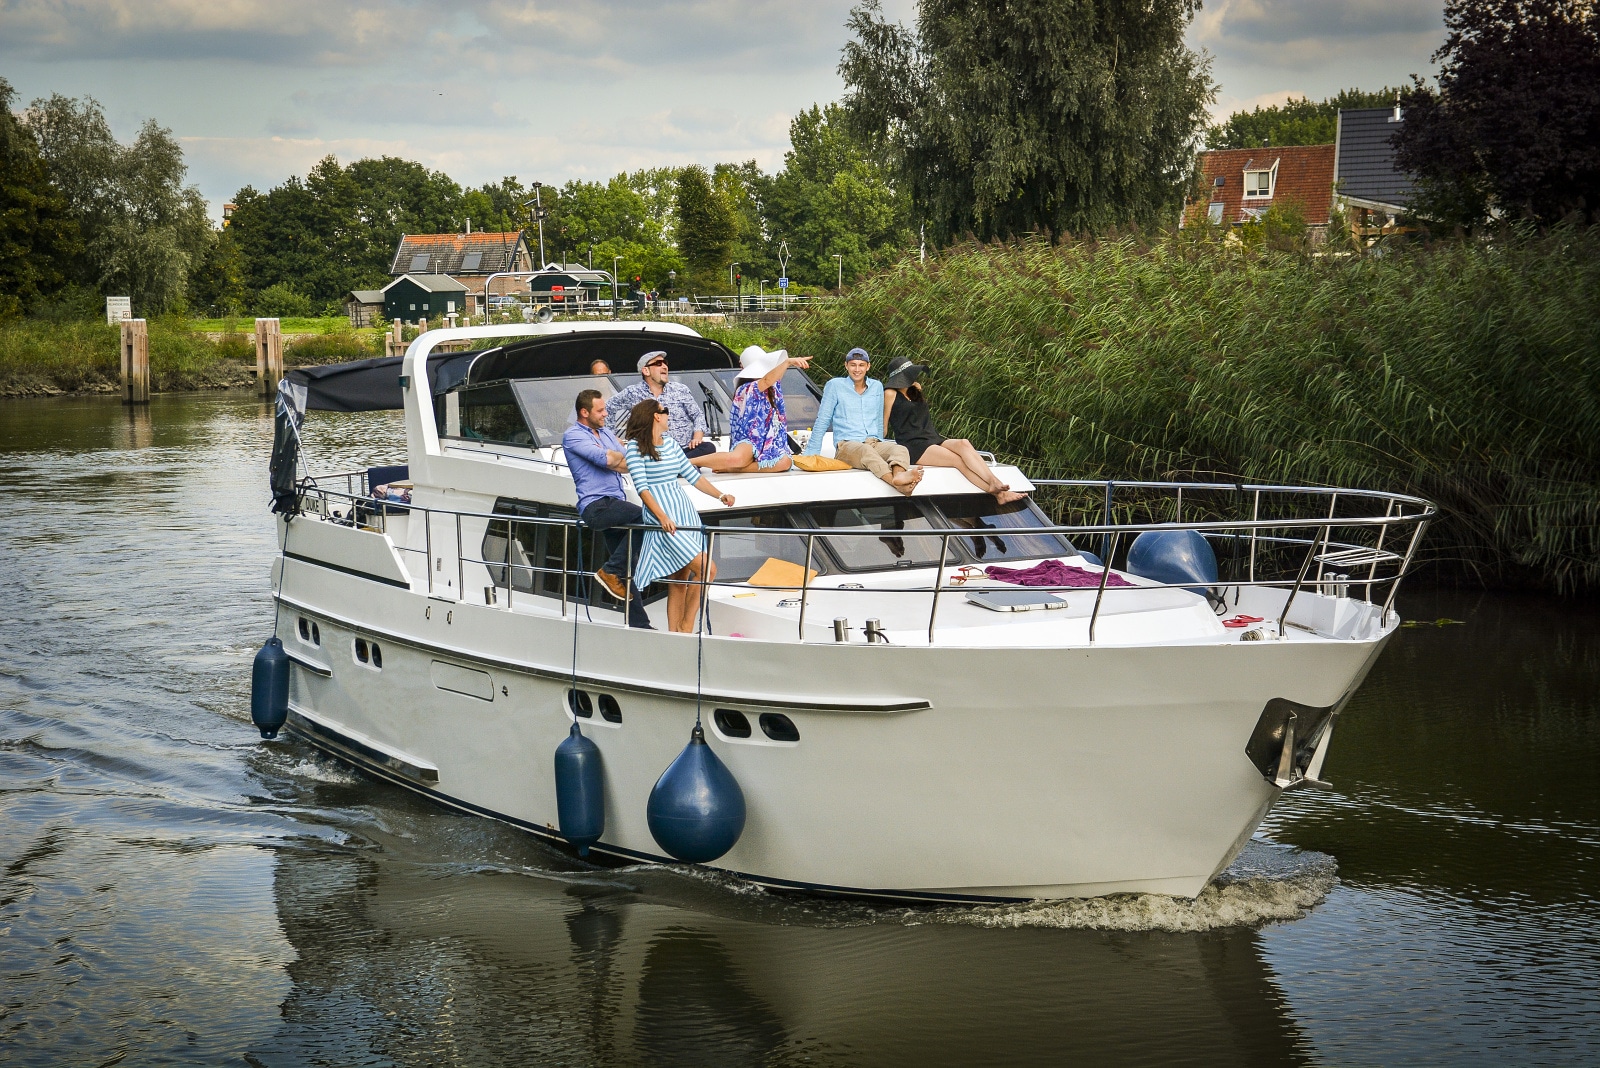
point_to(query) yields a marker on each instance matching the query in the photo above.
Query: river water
(175, 891)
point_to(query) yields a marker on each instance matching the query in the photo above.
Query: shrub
(282, 300)
(339, 347)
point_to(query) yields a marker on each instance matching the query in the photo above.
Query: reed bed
(1465, 373)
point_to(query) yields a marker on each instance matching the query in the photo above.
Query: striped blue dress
(663, 553)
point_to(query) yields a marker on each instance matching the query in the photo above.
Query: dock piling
(135, 362)
(269, 355)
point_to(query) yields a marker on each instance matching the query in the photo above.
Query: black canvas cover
(365, 385)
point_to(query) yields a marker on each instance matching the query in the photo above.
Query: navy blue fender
(580, 791)
(269, 688)
(1173, 556)
(696, 809)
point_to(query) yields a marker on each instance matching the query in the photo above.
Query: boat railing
(1300, 541)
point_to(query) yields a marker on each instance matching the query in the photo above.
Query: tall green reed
(1466, 373)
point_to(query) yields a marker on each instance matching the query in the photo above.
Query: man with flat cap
(686, 423)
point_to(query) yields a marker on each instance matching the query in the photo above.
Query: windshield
(893, 549)
(738, 556)
(551, 403)
(978, 512)
(799, 402)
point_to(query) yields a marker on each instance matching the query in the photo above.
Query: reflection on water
(172, 890)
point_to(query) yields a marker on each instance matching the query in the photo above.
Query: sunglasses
(655, 363)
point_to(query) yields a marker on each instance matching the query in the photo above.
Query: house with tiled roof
(470, 258)
(1240, 184)
(1370, 188)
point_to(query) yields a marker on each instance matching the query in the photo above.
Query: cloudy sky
(261, 89)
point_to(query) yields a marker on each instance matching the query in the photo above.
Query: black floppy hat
(902, 373)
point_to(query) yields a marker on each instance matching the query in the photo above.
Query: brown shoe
(612, 584)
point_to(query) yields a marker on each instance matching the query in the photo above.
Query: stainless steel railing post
(564, 571)
(938, 582)
(1372, 572)
(805, 585)
(511, 576)
(461, 565)
(1327, 532)
(427, 541)
(1255, 516)
(1105, 573)
(1305, 565)
(1394, 587)
(1105, 540)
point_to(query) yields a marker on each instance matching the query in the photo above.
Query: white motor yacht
(904, 719)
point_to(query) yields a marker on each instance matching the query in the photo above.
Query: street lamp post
(841, 271)
(538, 214)
(761, 295)
(614, 297)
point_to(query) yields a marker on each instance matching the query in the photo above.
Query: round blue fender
(696, 809)
(1174, 556)
(580, 791)
(269, 688)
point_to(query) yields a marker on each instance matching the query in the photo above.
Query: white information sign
(118, 309)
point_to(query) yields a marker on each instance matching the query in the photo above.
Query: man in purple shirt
(594, 455)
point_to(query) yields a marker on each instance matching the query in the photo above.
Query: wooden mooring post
(395, 343)
(269, 356)
(135, 362)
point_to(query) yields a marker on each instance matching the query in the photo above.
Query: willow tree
(1032, 116)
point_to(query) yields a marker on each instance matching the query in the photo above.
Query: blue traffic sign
(783, 283)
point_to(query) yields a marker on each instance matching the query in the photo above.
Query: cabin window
(533, 555)
(738, 556)
(978, 512)
(490, 413)
(1259, 183)
(896, 547)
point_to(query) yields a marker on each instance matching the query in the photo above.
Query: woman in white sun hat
(758, 429)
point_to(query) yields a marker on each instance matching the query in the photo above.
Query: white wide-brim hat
(755, 362)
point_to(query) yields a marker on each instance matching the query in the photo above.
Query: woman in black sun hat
(905, 413)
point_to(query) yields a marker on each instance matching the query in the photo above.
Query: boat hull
(920, 772)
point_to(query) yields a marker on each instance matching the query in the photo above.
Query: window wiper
(712, 408)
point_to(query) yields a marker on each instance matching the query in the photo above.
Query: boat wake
(1267, 883)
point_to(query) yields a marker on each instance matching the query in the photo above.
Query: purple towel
(1052, 573)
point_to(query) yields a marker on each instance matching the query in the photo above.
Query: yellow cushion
(820, 463)
(781, 574)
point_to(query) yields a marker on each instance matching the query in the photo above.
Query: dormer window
(1258, 183)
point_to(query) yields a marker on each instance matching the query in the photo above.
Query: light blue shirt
(850, 415)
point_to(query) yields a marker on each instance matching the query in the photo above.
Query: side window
(527, 553)
(490, 413)
(738, 556)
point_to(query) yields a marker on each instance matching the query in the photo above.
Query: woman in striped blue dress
(675, 551)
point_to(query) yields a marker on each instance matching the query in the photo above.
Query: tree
(217, 285)
(38, 237)
(142, 227)
(1514, 127)
(1050, 116)
(337, 229)
(1294, 122)
(745, 189)
(706, 230)
(833, 197)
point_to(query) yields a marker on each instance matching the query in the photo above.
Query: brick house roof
(450, 254)
(1304, 175)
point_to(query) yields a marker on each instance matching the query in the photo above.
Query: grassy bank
(1466, 374)
(42, 358)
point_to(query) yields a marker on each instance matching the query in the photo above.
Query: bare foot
(906, 481)
(1006, 496)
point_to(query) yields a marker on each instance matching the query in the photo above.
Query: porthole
(363, 654)
(610, 711)
(305, 629)
(316, 635)
(731, 723)
(377, 656)
(580, 704)
(779, 727)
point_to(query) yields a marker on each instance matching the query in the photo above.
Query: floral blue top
(761, 422)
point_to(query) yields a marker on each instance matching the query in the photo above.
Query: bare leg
(738, 459)
(677, 595)
(959, 453)
(690, 606)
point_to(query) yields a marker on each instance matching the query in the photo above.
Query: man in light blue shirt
(853, 409)
(594, 456)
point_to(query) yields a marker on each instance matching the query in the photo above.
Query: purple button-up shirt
(586, 458)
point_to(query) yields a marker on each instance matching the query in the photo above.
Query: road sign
(783, 283)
